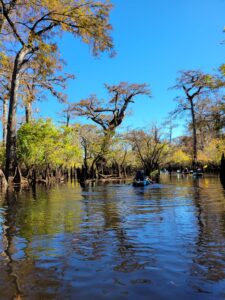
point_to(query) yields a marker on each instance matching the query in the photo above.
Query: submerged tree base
(3, 181)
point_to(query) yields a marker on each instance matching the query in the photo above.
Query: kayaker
(140, 175)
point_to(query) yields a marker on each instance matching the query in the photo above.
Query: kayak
(197, 174)
(141, 182)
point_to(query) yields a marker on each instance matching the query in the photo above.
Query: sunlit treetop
(193, 81)
(35, 23)
(110, 114)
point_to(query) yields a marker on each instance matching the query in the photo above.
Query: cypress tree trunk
(119, 170)
(125, 172)
(194, 133)
(222, 168)
(67, 119)
(3, 182)
(75, 173)
(28, 112)
(17, 177)
(11, 157)
(34, 176)
(4, 121)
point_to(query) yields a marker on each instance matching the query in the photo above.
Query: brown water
(164, 241)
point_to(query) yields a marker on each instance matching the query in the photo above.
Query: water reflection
(28, 256)
(209, 261)
(223, 184)
(113, 215)
(8, 235)
(114, 241)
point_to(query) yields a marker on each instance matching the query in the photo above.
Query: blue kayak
(141, 182)
(197, 174)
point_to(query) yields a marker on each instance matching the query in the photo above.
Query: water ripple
(115, 242)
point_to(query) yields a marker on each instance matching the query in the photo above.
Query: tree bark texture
(4, 121)
(11, 157)
(194, 133)
(28, 112)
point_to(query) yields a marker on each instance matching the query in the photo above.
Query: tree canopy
(29, 29)
(110, 114)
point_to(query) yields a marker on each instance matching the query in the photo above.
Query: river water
(114, 241)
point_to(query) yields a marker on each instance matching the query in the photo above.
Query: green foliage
(153, 173)
(150, 150)
(41, 143)
(91, 139)
(213, 151)
(30, 33)
(179, 157)
(2, 156)
(120, 152)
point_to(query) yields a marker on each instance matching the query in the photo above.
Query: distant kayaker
(140, 175)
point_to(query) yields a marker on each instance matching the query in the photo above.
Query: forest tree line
(31, 65)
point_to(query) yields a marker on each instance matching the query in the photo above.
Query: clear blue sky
(153, 39)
